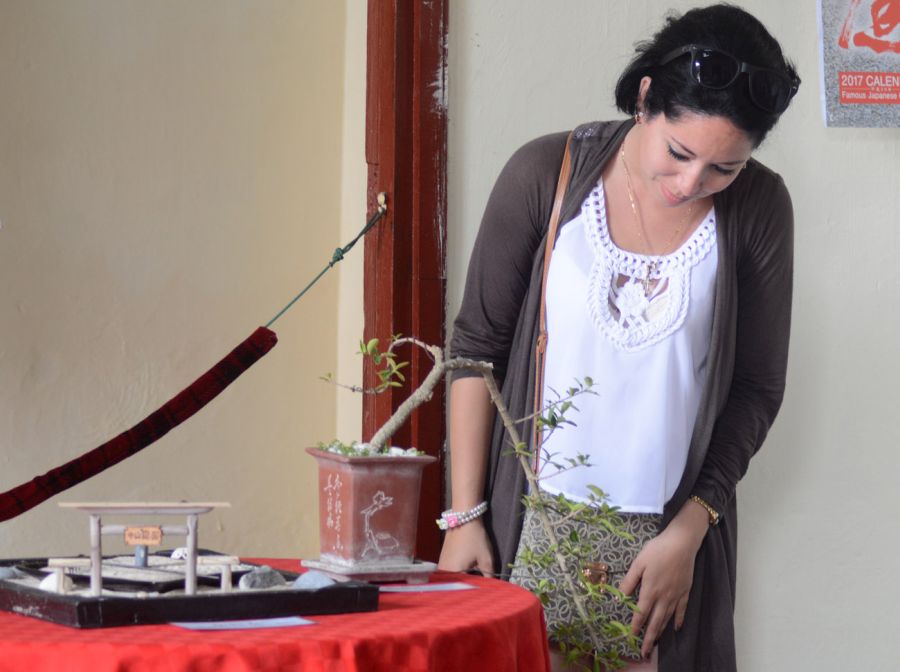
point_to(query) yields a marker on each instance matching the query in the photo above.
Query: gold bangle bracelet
(713, 514)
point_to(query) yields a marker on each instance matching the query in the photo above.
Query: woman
(670, 285)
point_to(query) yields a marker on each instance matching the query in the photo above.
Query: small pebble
(49, 583)
(313, 580)
(261, 577)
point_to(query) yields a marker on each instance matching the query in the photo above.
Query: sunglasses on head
(770, 89)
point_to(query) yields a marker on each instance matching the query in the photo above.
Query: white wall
(817, 579)
(170, 175)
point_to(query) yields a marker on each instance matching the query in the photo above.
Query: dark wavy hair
(673, 91)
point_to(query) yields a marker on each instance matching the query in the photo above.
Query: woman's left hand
(665, 571)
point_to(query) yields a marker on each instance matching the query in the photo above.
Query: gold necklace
(653, 264)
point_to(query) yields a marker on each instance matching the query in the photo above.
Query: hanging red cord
(171, 414)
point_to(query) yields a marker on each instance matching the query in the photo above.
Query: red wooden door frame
(405, 269)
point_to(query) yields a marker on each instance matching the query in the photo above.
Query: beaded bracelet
(713, 514)
(450, 519)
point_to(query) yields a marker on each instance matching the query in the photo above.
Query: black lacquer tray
(126, 608)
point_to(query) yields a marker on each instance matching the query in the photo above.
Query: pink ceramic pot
(368, 508)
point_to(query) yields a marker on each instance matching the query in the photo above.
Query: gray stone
(313, 580)
(261, 578)
(51, 583)
(9, 573)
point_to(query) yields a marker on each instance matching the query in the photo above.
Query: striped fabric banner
(171, 414)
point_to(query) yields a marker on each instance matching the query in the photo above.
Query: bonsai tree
(588, 641)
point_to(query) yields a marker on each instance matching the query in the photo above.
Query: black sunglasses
(770, 89)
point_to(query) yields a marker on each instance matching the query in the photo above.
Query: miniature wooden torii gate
(191, 510)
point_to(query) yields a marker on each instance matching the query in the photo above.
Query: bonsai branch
(579, 599)
(426, 388)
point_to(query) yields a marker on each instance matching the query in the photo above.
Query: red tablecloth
(497, 628)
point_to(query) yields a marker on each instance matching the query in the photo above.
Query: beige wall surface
(816, 568)
(170, 175)
(354, 178)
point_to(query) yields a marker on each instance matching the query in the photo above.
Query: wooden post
(405, 268)
(96, 556)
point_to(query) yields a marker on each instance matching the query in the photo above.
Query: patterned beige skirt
(612, 550)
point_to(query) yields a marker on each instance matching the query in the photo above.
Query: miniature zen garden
(181, 584)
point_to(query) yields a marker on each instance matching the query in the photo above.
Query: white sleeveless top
(644, 341)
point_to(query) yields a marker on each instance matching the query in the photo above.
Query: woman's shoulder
(538, 156)
(757, 214)
(549, 148)
(760, 185)
(542, 156)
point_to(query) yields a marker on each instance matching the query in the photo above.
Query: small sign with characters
(143, 536)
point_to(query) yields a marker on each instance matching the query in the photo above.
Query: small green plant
(389, 371)
(387, 367)
(388, 374)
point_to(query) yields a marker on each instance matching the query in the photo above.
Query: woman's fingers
(644, 608)
(466, 547)
(664, 568)
(628, 586)
(485, 562)
(659, 617)
(680, 611)
(632, 577)
(662, 594)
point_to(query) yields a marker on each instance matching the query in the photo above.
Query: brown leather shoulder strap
(565, 172)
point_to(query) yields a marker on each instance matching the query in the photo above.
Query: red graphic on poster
(885, 18)
(871, 88)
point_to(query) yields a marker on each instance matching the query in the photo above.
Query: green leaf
(597, 492)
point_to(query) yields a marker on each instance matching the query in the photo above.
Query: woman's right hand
(467, 547)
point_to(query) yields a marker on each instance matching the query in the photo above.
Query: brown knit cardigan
(498, 322)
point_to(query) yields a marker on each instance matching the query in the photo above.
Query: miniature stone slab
(159, 572)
